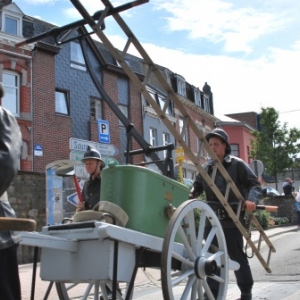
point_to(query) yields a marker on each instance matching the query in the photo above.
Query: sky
(247, 51)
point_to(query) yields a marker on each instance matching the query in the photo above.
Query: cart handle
(267, 208)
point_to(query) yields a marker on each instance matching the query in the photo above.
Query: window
(77, 59)
(206, 104)
(181, 87)
(166, 141)
(161, 102)
(201, 149)
(96, 109)
(124, 109)
(197, 96)
(183, 133)
(126, 61)
(153, 137)
(62, 103)
(11, 23)
(235, 150)
(11, 100)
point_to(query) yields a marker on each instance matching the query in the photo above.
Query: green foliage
(262, 217)
(281, 220)
(275, 145)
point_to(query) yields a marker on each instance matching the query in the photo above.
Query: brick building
(58, 99)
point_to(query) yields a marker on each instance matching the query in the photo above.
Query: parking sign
(103, 130)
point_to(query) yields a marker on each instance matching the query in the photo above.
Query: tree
(275, 145)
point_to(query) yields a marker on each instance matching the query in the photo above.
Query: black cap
(219, 132)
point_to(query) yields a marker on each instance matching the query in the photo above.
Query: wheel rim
(184, 244)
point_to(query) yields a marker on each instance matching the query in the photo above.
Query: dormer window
(11, 20)
(206, 105)
(197, 97)
(181, 86)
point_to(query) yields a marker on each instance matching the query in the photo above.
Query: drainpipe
(32, 115)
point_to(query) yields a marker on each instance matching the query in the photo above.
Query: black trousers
(235, 242)
(9, 274)
(298, 213)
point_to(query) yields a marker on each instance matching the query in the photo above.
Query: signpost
(179, 158)
(104, 149)
(103, 130)
(257, 167)
(78, 156)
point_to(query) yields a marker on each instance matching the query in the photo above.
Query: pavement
(144, 289)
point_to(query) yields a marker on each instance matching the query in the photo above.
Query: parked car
(188, 182)
(270, 191)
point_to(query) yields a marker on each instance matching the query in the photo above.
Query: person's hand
(80, 206)
(249, 205)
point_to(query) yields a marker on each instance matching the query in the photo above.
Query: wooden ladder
(153, 70)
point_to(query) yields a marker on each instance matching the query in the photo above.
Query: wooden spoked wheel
(185, 248)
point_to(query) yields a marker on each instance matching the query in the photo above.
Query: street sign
(104, 149)
(103, 131)
(78, 156)
(38, 150)
(257, 167)
(81, 172)
(73, 199)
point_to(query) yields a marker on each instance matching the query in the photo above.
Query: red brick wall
(19, 61)
(136, 118)
(51, 130)
(248, 117)
(240, 135)
(110, 84)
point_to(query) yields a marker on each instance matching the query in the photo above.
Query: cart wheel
(83, 291)
(185, 249)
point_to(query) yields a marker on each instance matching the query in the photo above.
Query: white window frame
(153, 137)
(62, 105)
(12, 93)
(16, 17)
(181, 86)
(124, 109)
(197, 96)
(96, 109)
(235, 150)
(162, 102)
(166, 141)
(184, 136)
(76, 57)
(206, 104)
